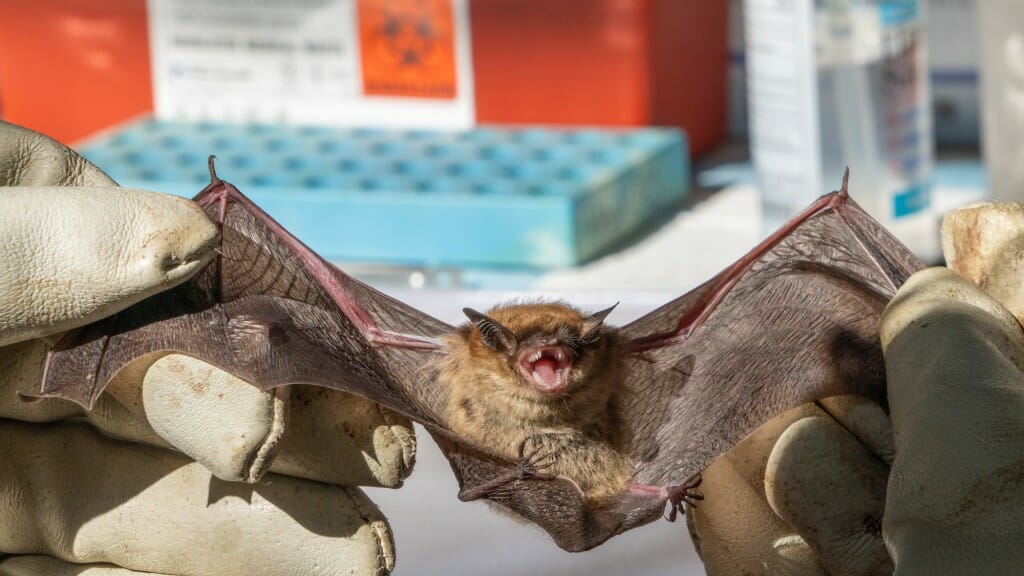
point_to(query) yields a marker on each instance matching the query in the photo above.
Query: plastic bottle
(835, 84)
(1002, 88)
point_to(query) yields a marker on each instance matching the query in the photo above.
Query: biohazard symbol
(407, 48)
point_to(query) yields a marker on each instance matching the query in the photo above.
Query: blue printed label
(897, 12)
(912, 200)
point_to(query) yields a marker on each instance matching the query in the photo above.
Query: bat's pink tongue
(545, 368)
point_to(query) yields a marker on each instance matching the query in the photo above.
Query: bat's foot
(677, 497)
(534, 458)
(683, 495)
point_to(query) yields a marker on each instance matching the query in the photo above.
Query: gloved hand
(835, 489)
(184, 469)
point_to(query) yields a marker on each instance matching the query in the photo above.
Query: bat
(618, 421)
(540, 382)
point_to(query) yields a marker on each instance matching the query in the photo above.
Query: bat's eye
(572, 338)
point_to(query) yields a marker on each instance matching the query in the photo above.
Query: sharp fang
(559, 354)
(535, 356)
(558, 375)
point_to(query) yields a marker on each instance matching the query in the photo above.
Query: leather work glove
(184, 469)
(838, 488)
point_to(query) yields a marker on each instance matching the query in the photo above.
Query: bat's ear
(592, 324)
(493, 333)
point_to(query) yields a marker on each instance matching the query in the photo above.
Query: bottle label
(904, 97)
(783, 105)
(856, 68)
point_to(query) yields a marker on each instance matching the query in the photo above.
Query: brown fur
(494, 406)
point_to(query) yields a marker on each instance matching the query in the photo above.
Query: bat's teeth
(535, 356)
(537, 378)
(560, 355)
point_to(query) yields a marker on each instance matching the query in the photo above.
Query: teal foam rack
(535, 198)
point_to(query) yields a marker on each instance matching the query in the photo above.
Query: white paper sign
(343, 62)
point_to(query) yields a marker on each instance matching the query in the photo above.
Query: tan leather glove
(835, 489)
(147, 481)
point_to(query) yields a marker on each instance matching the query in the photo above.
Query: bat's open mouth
(547, 367)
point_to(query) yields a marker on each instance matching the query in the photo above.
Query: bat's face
(547, 350)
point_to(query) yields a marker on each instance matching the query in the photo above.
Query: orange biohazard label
(407, 48)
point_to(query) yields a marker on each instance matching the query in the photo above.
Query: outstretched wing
(271, 311)
(793, 321)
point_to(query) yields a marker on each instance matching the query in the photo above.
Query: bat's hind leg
(677, 497)
(534, 459)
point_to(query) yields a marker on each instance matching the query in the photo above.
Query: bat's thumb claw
(213, 170)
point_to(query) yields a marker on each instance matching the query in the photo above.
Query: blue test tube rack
(489, 197)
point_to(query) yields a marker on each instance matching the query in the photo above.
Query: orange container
(604, 63)
(71, 67)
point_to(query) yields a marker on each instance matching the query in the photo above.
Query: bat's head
(547, 349)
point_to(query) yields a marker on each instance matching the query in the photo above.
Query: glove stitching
(378, 527)
(261, 459)
(853, 434)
